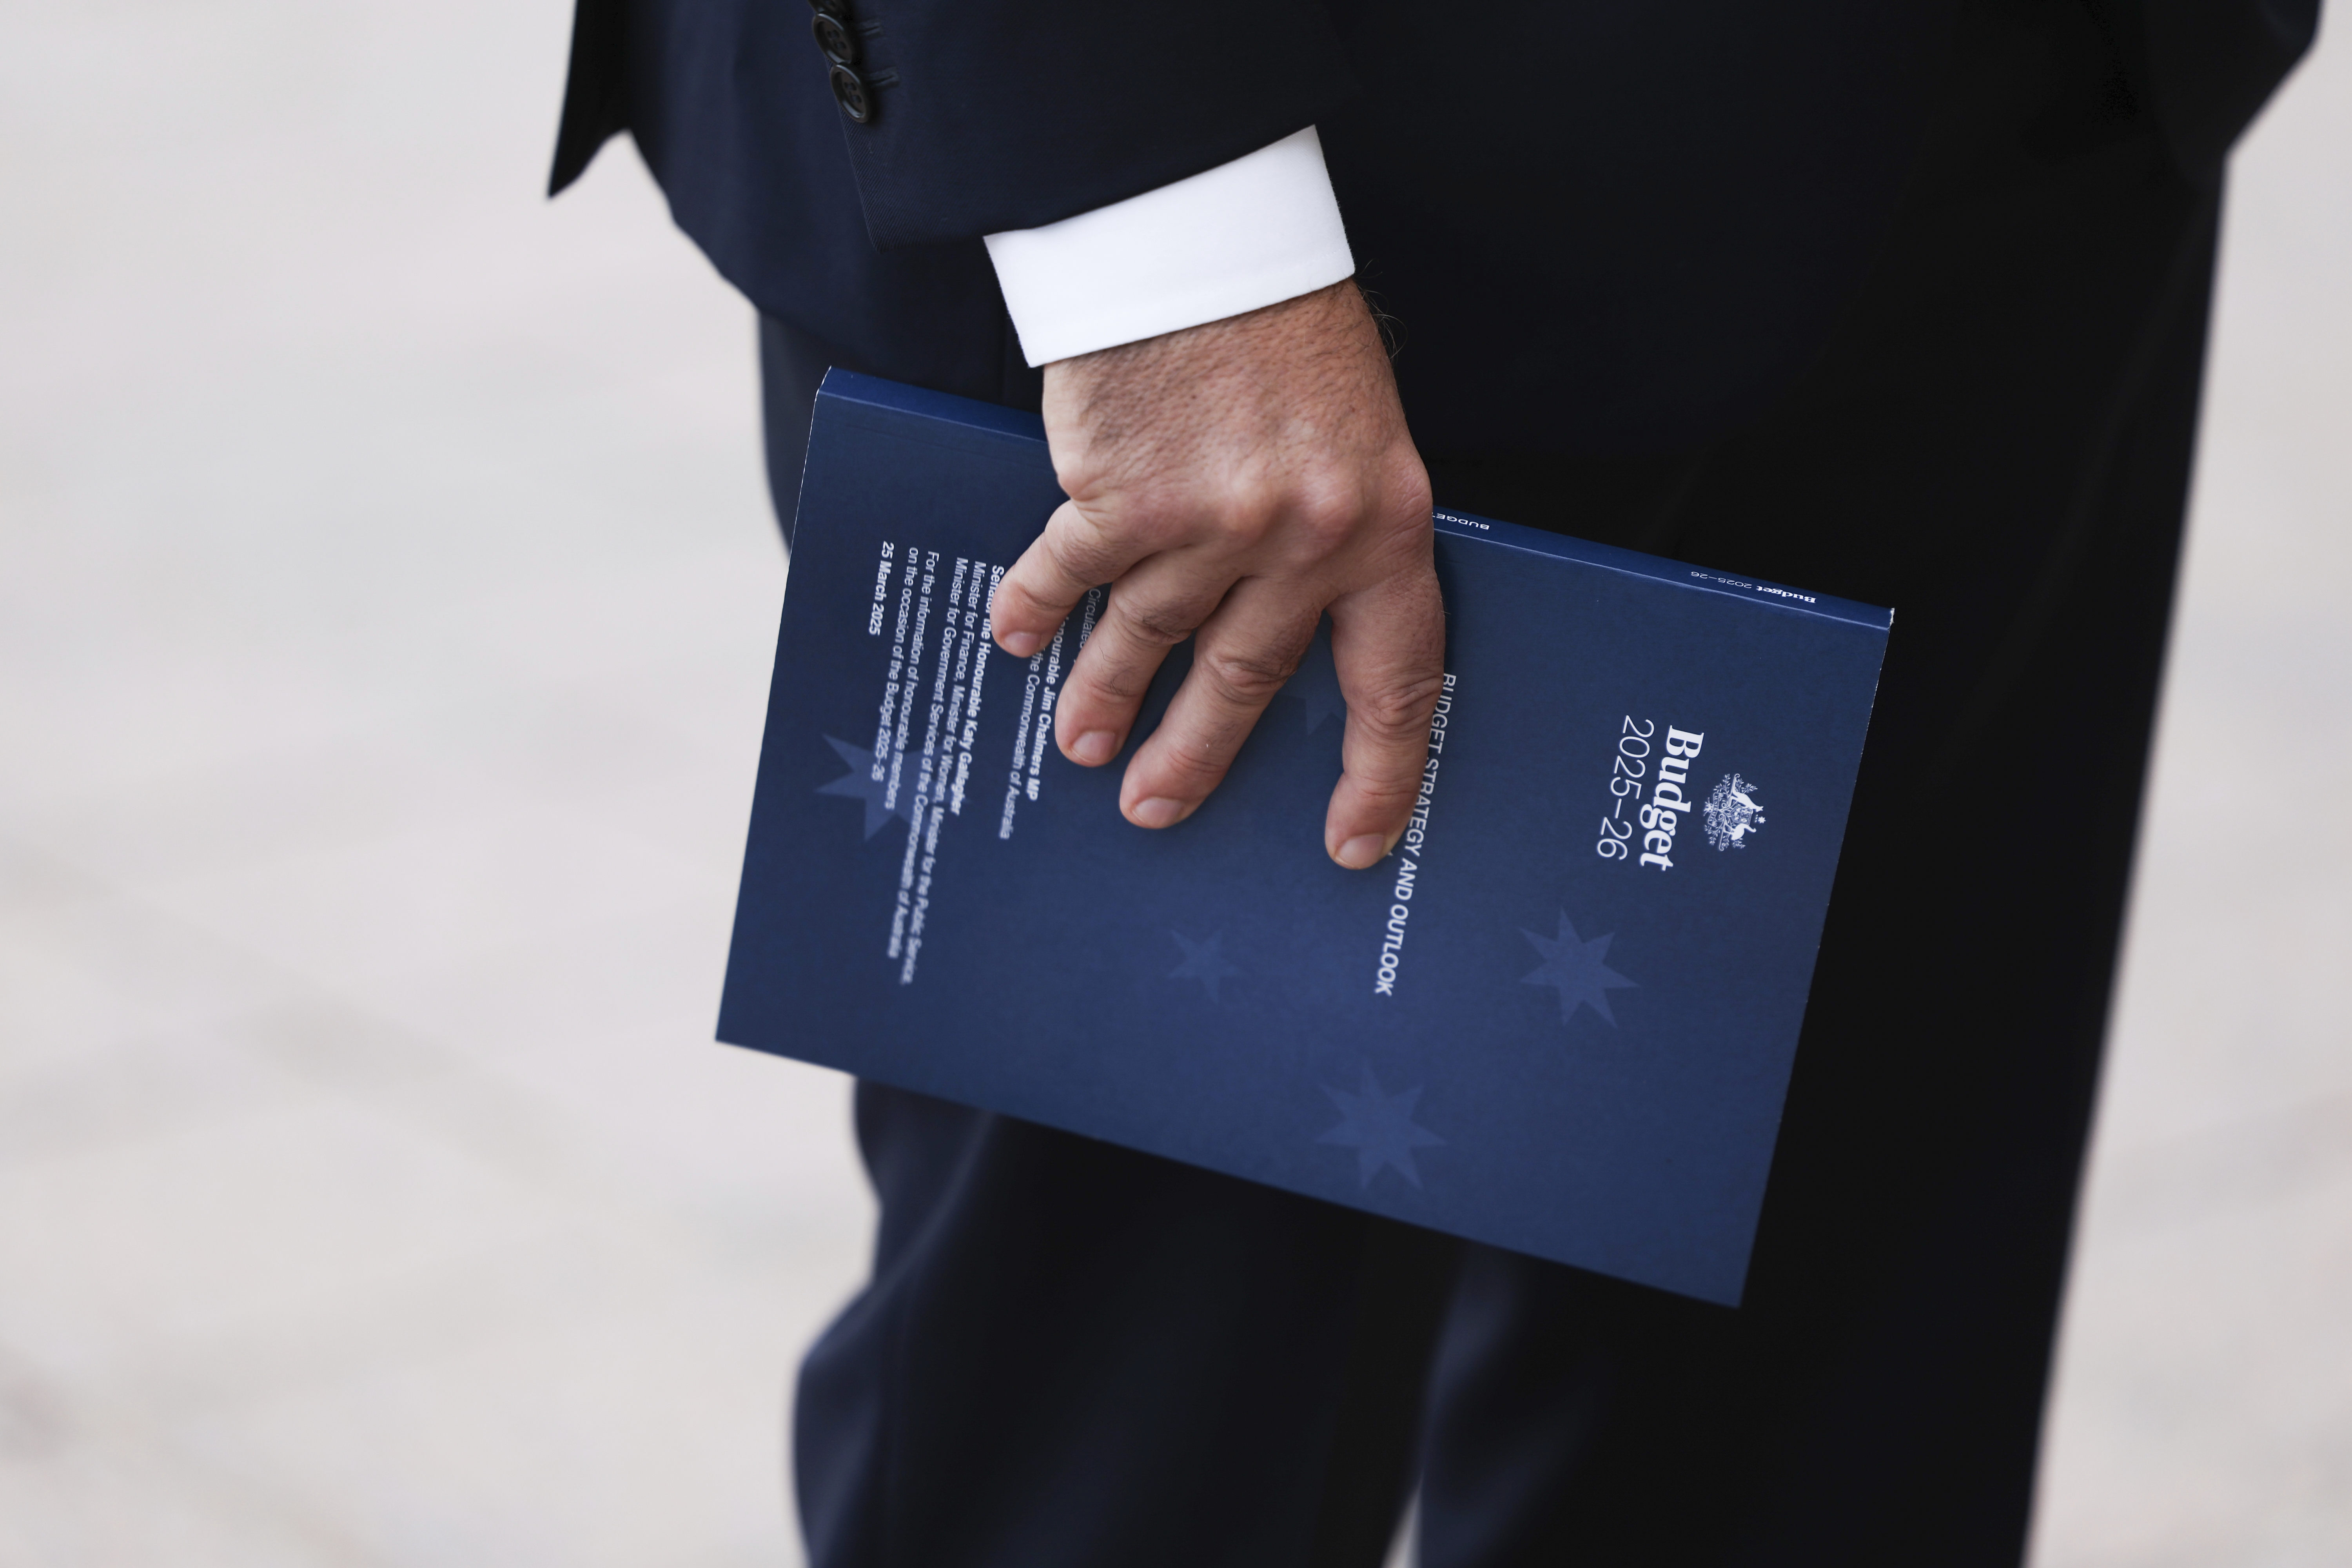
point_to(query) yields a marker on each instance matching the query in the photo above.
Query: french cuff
(1255, 232)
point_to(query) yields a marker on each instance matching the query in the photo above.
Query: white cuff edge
(1214, 301)
(1254, 232)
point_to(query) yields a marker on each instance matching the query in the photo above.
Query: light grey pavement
(2204, 1409)
(385, 591)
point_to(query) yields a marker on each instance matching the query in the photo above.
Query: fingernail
(1159, 812)
(1095, 747)
(1363, 850)
(1020, 645)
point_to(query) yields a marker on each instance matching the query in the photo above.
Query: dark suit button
(839, 43)
(849, 91)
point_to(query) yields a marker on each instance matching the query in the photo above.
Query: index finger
(1074, 554)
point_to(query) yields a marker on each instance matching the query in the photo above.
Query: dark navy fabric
(1739, 161)
(1666, 205)
(1073, 1354)
(2210, 66)
(998, 116)
(728, 102)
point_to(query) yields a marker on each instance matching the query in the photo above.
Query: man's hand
(1233, 482)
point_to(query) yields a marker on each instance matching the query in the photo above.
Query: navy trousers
(1071, 1354)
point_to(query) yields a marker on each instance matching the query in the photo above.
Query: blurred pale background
(385, 588)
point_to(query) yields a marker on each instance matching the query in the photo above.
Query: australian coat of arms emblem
(1732, 812)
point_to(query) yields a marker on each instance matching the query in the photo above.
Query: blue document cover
(1559, 1018)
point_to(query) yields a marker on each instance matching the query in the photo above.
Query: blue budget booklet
(1559, 1018)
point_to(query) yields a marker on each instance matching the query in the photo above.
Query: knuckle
(1416, 500)
(1408, 489)
(1161, 625)
(1143, 525)
(1075, 556)
(1239, 522)
(1116, 686)
(1246, 679)
(1398, 711)
(1014, 599)
(1191, 771)
(1328, 511)
(1121, 676)
(1078, 467)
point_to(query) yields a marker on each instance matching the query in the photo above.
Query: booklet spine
(1485, 530)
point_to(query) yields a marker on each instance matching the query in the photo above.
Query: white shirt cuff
(1255, 232)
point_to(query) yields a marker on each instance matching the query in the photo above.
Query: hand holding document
(1560, 1018)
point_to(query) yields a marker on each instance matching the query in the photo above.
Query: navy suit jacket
(1601, 227)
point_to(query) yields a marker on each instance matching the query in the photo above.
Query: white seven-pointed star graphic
(1203, 961)
(859, 784)
(1379, 1128)
(1574, 966)
(1315, 682)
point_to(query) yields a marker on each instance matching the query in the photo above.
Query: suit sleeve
(2212, 65)
(985, 116)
